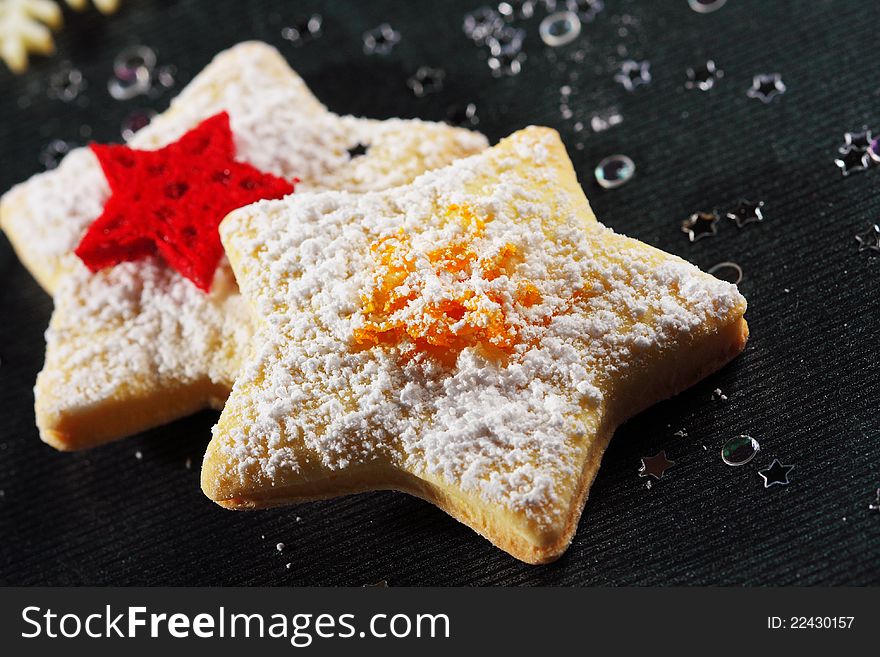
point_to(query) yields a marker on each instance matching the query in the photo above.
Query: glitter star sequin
(766, 86)
(739, 450)
(700, 225)
(869, 239)
(380, 40)
(171, 201)
(746, 213)
(777, 473)
(633, 74)
(656, 465)
(853, 161)
(426, 80)
(703, 77)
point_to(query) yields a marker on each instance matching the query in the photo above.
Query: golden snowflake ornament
(26, 27)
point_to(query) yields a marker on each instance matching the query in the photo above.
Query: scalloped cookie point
(473, 338)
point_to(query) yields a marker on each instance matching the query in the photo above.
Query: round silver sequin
(129, 63)
(739, 450)
(706, 6)
(560, 28)
(135, 121)
(614, 171)
(727, 271)
(126, 89)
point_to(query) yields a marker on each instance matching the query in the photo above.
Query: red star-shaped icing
(171, 201)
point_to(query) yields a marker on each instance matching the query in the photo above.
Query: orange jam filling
(461, 314)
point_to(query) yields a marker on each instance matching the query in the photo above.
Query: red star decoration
(170, 201)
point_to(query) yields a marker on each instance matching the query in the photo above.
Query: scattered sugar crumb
(717, 394)
(288, 565)
(279, 547)
(188, 464)
(681, 433)
(138, 455)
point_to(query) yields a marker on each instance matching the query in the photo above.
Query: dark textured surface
(806, 387)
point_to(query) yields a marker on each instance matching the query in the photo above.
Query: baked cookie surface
(136, 345)
(473, 338)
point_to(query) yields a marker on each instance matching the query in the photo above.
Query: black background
(806, 386)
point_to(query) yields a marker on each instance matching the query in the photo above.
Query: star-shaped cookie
(137, 345)
(473, 338)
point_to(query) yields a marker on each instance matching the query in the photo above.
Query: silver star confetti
(304, 30)
(66, 83)
(426, 81)
(700, 225)
(506, 41)
(517, 9)
(853, 161)
(746, 212)
(463, 115)
(633, 74)
(766, 86)
(703, 77)
(380, 40)
(874, 150)
(869, 239)
(481, 23)
(506, 65)
(54, 152)
(777, 473)
(586, 10)
(655, 466)
(856, 141)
